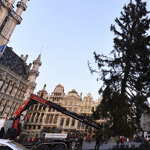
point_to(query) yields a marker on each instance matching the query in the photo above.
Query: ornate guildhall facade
(44, 117)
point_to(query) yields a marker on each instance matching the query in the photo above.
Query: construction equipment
(14, 128)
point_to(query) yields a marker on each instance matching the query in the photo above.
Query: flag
(2, 48)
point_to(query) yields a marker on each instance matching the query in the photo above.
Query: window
(16, 145)
(5, 147)
(82, 125)
(32, 118)
(61, 121)
(40, 107)
(79, 124)
(44, 108)
(47, 118)
(67, 121)
(41, 118)
(73, 122)
(55, 120)
(51, 119)
(70, 108)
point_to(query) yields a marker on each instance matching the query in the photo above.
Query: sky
(66, 33)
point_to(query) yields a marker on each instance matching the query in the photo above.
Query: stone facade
(16, 81)
(9, 18)
(44, 117)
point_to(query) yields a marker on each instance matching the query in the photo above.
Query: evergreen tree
(126, 73)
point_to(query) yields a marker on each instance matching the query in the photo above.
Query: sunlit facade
(54, 121)
(17, 81)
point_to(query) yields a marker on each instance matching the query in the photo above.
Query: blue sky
(69, 32)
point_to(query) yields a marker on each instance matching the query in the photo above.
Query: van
(147, 136)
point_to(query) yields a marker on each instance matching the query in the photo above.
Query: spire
(39, 58)
(37, 62)
(44, 87)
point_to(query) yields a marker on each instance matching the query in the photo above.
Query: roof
(4, 140)
(14, 62)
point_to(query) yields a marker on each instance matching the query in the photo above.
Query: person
(97, 142)
(118, 141)
(122, 141)
(35, 138)
(79, 144)
(28, 140)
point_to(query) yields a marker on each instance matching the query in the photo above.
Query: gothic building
(17, 81)
(9, 18)
(44, 117)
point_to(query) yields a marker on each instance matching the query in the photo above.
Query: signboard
(55, 135)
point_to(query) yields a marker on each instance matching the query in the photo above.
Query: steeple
(9, 18)
(35, 69)
(37, 63)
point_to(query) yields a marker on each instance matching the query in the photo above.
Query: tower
(10, 18)
(33, 74)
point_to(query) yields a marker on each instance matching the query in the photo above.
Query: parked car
(10, 145)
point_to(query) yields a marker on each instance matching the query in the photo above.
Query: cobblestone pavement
(106, 146)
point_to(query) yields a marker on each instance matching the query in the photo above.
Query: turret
(43, 93)
(34, 73)
(9, 18)
(21, 6)
(24, 58)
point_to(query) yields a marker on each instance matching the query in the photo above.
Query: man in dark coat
(97, 142)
